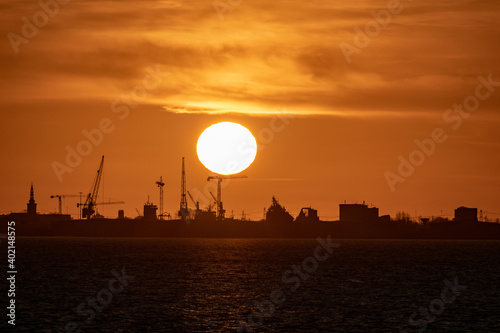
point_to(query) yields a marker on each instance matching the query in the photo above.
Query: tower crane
(107, 203)
(219, 178)
(110, 203)
(62, 196)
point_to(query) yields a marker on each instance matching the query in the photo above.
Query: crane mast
(60, 201)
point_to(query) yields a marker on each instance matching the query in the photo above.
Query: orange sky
(347, 122)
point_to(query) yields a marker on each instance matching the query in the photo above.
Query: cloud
(262, 56)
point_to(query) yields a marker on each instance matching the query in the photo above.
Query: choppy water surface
(212, 285)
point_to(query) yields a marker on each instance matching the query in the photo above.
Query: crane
(60, 197)
(195, 203)
(160, 184)
(219, 178)
(215, 202)
(213, 197)
(108, 203)
(183, 209)
(88, 207)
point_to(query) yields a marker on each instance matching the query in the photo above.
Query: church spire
(31, 203)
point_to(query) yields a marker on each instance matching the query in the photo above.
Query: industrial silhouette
(355, 220)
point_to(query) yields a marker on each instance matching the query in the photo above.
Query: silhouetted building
(384, 219)
(31, 204)
(277, 213)
(205, 216)
(307, 214)
(464, 214)
(31, 221)
(357, 213)
(424, 220)
(121, 214)
(150, 211)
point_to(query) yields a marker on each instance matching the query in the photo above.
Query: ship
(277, 213)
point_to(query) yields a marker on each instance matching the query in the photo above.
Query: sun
(226, 148)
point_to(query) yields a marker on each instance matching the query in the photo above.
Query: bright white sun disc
(226, 148)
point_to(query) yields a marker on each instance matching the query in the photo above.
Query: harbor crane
(219, 178)
(183, 208)
(89, 206)
(215, 202)
(61, 197)
(160, 184)
(195, 203)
